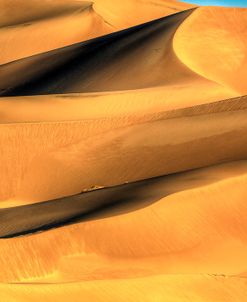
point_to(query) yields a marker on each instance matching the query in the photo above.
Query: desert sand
(123, 152)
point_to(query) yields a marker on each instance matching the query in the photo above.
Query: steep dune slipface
(59, 23)
(119, 61)
(216, 47)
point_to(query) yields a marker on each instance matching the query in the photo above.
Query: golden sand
(171, 105)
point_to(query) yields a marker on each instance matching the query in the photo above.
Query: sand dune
(123, 152)
(59, 23)
(183, 288)
(203, 227)
(217, 49)
(103, 202)
(19, 12)
(130, 150)
(131, 105)
(103, 64)
(68, 23)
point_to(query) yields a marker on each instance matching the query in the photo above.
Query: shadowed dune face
(123, 154)
(59, 23)
(201, 237)
(217, 48)
(119, 61)
(109, 201)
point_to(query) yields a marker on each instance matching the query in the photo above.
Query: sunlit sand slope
(182, 288)
(31, 27)
(216, 47)
(46, 25)
(131, 105)
(57, 159)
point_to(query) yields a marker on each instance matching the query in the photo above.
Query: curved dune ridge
(217, 49)
(97, 65)
(103, 202)
(123, 152)
(59, 23)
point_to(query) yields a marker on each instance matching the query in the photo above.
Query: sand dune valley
(123, 159)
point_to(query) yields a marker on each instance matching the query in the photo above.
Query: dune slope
(180, 288)
(59, 23)
(203, 227)
(123, 154)
(103, 64)
(102, 202)
(217, 48)
(59, 159)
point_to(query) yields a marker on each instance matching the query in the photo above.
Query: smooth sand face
(145, 289)
(99, 146)
(217, 48)
(164, 99)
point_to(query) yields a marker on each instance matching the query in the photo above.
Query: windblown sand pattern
(123, 159)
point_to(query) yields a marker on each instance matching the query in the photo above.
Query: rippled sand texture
(123, 159)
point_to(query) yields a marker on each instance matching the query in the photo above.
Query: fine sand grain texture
(123, 151)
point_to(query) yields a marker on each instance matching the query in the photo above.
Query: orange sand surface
(93, 102)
